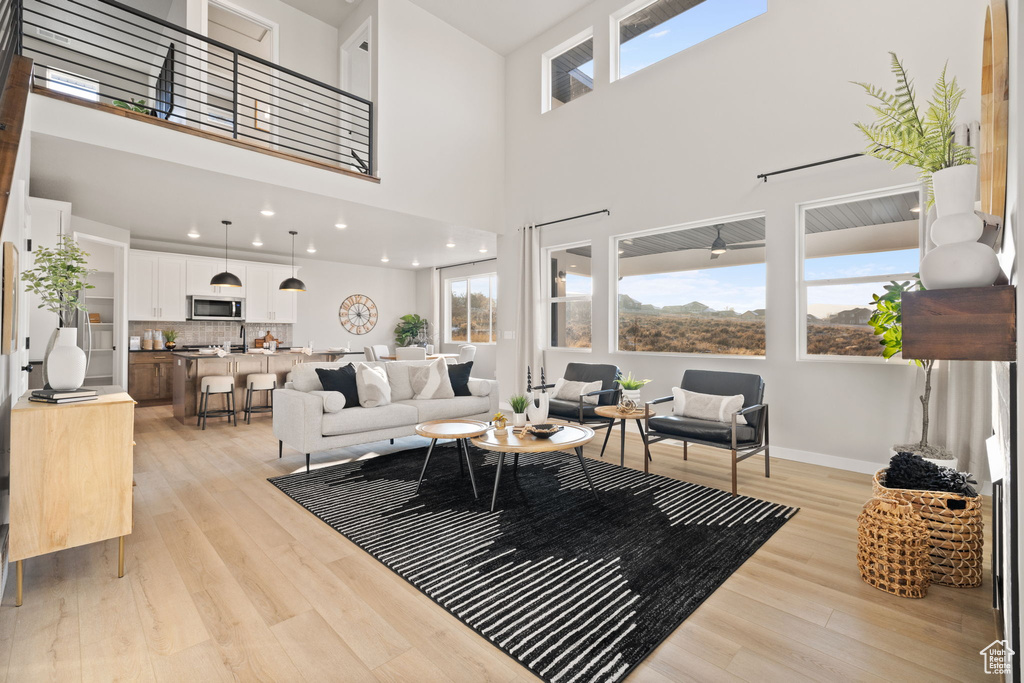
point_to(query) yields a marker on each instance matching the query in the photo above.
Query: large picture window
(852, 248)
(693, 289)
(471, 311)
(649, 31)
(569, 290)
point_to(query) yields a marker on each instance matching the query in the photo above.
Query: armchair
(742, 440)
(580, 411)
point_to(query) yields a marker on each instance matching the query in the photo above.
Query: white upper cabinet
(284, 303)
(142, 285)
(264, 302)
(199, 272)
(156, 287)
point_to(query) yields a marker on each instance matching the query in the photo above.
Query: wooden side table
(460, 430)
(71, 476)
(640, 416)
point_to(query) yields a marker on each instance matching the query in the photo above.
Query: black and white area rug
(572, 588)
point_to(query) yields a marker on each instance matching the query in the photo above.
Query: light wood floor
(227, 578)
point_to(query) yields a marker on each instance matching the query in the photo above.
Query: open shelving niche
(100, 300)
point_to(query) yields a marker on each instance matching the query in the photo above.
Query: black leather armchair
(742, 440)
(580, 411)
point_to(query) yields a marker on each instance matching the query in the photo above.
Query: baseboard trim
(825, 460)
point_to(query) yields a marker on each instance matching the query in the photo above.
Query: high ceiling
(161, 201)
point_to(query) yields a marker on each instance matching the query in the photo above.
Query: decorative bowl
(545, 431)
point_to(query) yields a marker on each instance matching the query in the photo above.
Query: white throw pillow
(707, 406)
(569, 390)
(479, 387)
(372, 386)
(431, 380)
(398, 378)
(305, 379)
(334, 401)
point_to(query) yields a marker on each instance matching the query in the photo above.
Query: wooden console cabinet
(71, 475)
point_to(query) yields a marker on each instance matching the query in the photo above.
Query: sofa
(301, 421)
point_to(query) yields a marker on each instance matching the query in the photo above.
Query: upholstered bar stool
(216, 384)
(259, 382)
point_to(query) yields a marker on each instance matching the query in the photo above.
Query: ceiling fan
(719, 246)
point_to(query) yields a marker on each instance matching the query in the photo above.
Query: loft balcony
(115, 58)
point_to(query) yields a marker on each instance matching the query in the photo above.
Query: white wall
(684, 139)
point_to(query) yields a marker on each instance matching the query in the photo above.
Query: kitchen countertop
(196, 354)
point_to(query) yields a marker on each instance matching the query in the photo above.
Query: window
(568, 71)
(74, 85)
(648, 32)
(693, 289)
(851, 249)
(472, 309)
(569, 289)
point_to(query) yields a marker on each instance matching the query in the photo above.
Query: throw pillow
(431, 380)
(458, 374)
(372, 386)
(334, 401)
(707, 406)
(398, 378)
(568, 390)
(344, 380)
(479, 387)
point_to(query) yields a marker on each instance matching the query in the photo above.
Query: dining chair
(410, 353)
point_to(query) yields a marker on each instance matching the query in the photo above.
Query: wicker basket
(892, 548)
(956, 531)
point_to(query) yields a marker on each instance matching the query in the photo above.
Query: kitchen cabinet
(264, 301)
(156, 287)
(150, 377)
(199, 272)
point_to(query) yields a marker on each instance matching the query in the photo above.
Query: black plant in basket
(909, 471)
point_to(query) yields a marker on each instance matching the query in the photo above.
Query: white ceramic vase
(65, 364)
(958, 260)
(518, 419)
(537, 410)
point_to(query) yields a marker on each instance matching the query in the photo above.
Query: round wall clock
(358, 314)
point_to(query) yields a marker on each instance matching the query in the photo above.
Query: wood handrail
(12, 119)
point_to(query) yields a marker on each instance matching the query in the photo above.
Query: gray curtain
(530, 309)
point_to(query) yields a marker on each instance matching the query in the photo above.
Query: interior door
(20, 232)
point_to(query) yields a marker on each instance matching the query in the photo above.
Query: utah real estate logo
(997, 657)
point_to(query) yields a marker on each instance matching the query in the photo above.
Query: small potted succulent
(519, 402)
(631, 387)
(499, 423)
(171, 336)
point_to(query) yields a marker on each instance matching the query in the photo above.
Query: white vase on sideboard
(65, 364)
(958, 260)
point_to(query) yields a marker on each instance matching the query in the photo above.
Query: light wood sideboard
(71, 475)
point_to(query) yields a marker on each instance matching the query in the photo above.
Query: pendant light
(225, 279)
(293, 284)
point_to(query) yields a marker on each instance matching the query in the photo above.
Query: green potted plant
(903, 133)
(631, 386)
(171, 336)
(409, 328)
(887, 321)
(58, 277)
(518, 402)
(132, 104)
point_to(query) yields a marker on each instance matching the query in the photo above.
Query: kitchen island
(191, 366)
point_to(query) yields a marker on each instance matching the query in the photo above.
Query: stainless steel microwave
(216, 308)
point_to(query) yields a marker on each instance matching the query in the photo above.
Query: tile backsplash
(212, 331)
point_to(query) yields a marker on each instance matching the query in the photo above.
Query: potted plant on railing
(887, 321)
(58, 277)
(409, 329)
(903, 134)
(631, 387)
(519, 403)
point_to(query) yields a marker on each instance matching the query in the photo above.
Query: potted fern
(58, 277)
(904, 134)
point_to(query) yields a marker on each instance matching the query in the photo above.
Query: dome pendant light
(225, 279)
(293, 284)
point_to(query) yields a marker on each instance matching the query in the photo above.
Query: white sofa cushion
(372, 386)
(334, 401)
(359, 419)
(446, 408)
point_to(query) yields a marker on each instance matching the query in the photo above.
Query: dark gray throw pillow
(342, 379)
(458, 374)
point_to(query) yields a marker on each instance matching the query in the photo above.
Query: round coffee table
(571, 436)
(615, 413)
(459, 430)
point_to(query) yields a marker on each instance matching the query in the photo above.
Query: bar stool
(259, 382)
(216, 384)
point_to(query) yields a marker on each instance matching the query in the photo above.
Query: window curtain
(530, 308)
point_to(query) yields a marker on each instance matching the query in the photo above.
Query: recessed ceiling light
(415, 263)
(257, 242)
(916, 209)
(573, 265)
(622, 251)
(267, 212)
(483, 250)
(384, 259)
(340, 226)
(311, 249)
(193, 234)
(450, 245)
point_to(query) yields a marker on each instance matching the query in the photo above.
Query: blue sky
(696, 25)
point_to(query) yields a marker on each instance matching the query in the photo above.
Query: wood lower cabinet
(150, 376)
